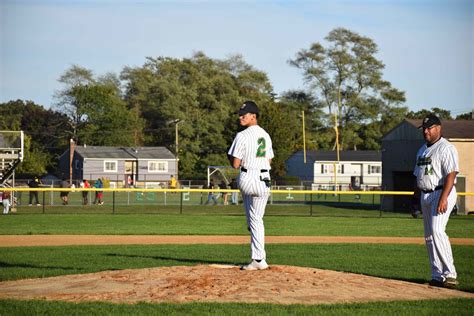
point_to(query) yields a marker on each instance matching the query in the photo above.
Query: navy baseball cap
(429, 121)
(248, 107)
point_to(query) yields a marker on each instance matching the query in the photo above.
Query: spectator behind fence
(223, 186)
(235, 195)
(85, 194)
(64, 194)
(173, 184)
(6, 202)
(33, 184)
(211, 195)
(98, 194)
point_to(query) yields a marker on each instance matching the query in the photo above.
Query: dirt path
(219, 283)
(65, 240)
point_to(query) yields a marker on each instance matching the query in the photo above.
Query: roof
(345, 155)
(124, 152)
(461, 129)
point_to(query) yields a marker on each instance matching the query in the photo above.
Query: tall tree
(36, 161)
(441, 113)
(46, 135)
(466, 116)
(75, 76)
(201, 92)
(346, 80)
(318, 136)
(106, 119)
(97, 113)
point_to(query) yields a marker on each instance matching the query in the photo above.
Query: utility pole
(304, 136)
(176, 122)
(71, 157)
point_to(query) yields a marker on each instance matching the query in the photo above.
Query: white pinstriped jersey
(434, 163)
(254, 147)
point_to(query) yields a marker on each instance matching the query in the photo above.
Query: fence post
(181, 203)
(381, 197)
(51, 196)
(113, 202)
(44, 202)
(311, 204)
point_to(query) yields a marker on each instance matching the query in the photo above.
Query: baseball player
(436, 169)
(252, 152)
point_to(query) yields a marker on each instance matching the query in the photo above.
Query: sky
(426, 46)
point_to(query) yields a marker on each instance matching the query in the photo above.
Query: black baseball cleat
(436, 283)
(449, 283)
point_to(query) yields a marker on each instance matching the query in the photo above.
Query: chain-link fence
(193, 199)
(290, 201)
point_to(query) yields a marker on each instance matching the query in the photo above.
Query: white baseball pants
(6, 206)
(436, 239)
(255, 196)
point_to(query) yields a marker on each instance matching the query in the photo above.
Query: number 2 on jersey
(261, 147)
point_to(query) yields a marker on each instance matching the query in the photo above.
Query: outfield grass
(326, 209)
(152, 224)
(440, 307)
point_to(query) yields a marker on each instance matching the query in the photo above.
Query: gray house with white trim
(121, 165)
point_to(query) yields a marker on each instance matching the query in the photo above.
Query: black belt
(245, 170)
(439, 187)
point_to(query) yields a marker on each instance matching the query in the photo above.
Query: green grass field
(457, 307)
(403, 262)
(210, 224)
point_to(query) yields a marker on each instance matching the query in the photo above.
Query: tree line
(140, 105)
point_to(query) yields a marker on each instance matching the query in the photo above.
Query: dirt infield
(65, 240)
(219, 283)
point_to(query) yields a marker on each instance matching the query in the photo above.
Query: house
(399, 148)
(356, 169)
(143, 166)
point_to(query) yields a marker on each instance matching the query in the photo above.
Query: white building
(355, 169)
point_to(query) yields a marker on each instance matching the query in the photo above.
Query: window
(110, 166)
(157, 166)
(375, 169)
(329, 168)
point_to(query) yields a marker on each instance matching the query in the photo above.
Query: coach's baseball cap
(248, 107)
(429, 121)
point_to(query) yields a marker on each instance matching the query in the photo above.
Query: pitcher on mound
(252, 152)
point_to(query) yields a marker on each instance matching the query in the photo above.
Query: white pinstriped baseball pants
(436, 239)
(255, 195)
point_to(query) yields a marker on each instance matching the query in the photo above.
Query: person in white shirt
(252, 152)
(437, 165)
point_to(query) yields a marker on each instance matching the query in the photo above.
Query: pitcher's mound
(221, 283)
